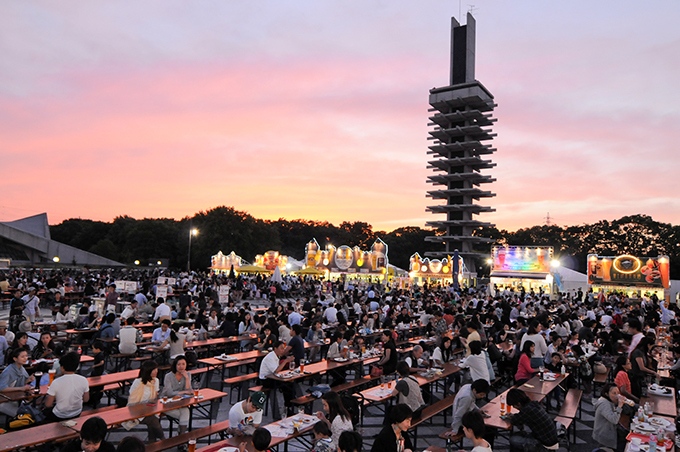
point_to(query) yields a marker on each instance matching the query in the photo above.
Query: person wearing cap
(246, 416)
(31, 302)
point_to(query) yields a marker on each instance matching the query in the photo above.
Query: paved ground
(427, 433)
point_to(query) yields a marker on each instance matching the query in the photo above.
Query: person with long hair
(622, 380)
(15, 379)
(338, 418)
(145, 389)
(534, 335)
(443, 353)
(20, 342)
(177, 382)
(176, 340)
(524, 369)
(245, 327)
(393, 437)
(639, 360)
(607, 414)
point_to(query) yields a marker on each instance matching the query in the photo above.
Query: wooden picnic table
(542, 387)
(141, 410)
(663, 405)
(379, 394)
(34, 436)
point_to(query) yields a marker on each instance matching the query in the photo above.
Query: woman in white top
(476, 362)
(474, 429)
(145, 389)
(247, 326)
(176, 340)
(338, 417)
(443, 353)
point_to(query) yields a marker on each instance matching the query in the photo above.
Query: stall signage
(628, 270)
(521, 259)
(345, 259)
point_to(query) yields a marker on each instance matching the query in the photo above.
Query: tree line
(226, 229)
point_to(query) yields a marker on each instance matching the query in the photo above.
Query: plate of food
(228, 449)
(660, 390)
(340, 360)
(644, 428)
(659, 421)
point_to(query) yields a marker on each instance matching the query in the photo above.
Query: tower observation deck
(461, 131)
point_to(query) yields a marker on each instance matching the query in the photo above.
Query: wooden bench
(567, 422)
(571, 406)
(240, 380)
(178, 440)
(455, 438)
(429, 412)
(304, 400)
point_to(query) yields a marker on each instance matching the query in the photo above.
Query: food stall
(518, 267)
(220, 263)
(437, 271)
(634, 276)
(272, 259)
(345, 262)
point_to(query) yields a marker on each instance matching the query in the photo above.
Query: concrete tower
(461, 125)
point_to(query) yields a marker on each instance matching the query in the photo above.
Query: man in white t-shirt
(331, 314)
(69, 391)
(246, 416)
(271, 364)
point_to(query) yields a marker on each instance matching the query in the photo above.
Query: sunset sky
(317, 109)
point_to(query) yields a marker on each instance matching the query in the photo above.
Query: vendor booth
(346, 262)
(634, 276)
(219, 263)
(437, 271)
(270, 260)
(517, 267)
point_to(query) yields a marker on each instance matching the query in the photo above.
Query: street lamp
(192, 233)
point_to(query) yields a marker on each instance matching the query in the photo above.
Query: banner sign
(131, 286)
(224, 293)
(270, 260)
(347, 260)
(627, 270)
(162, 291)
(435, 268)
(120, 286)
(519, 260)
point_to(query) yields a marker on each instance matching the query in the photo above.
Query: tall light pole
(192, 233)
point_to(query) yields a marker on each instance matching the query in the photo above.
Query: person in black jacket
(389, 360)
(392, 437)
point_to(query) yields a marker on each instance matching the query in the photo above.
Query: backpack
(352, 405)
(98, 335)
(20, 421)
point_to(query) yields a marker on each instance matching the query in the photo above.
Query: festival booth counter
(634, 276)
(219, 263)
(349, 263)
(518, 267)
(437, 271)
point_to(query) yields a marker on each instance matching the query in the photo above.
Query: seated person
(474, 429)
(543, 431)
(67, 393)
(407, 390)
(466, 400)
(92, 438)
(246, 416)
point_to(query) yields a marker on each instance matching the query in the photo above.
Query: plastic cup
(196, 392)
(52, 373)
(192, 444)
(302, 367)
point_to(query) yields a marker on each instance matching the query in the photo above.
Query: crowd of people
(504, 339)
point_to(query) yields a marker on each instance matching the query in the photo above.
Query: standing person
(16, 310)
(607, 414)
(639, 360)
(111, 299)
(390, 359)
(145, 389)
(315, 336)
(338, 417)
(31, 305)
(67, 393)
(177, 382)
(246, 416)
(531, 414)
(392, 437)
(15, 379)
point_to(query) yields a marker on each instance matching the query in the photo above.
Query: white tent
(276, 277)
(570, 281)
